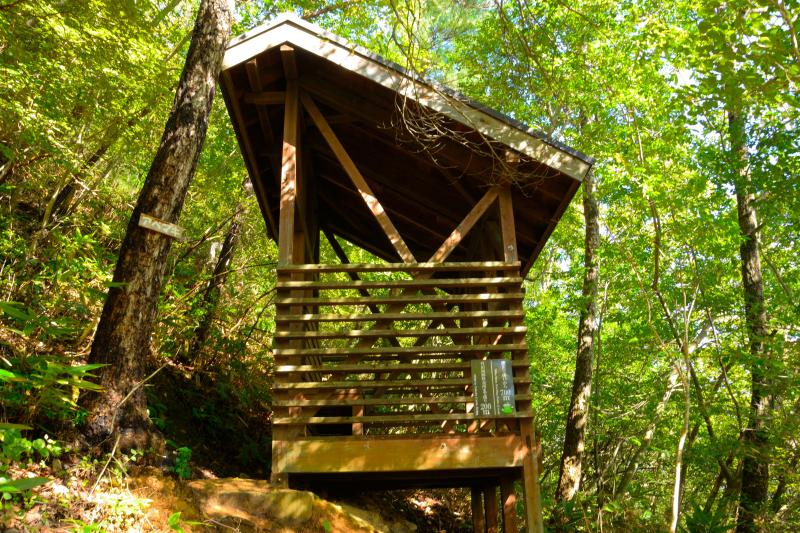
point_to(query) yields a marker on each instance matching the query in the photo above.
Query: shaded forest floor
(134, 498)
(199, 417)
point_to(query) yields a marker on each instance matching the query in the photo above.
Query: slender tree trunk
(62, 200)
(676, 490)
(123, 336)
(210, 298)
(574, 434)
(755, 465)
(633, 464)
(5, 168)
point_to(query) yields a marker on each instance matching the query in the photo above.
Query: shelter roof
(427, 152)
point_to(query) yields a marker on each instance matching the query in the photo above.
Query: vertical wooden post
(530, 470)
(286, 245)
(507, 225)
(478, 520)
(509, 500)
(530, 480)
(288, 177)
(490, 507)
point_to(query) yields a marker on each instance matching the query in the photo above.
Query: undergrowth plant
(14, 448)
(41, 385)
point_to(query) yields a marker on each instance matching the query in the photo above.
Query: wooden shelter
(375, 361)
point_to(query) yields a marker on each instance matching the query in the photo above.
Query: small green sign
(493, 388)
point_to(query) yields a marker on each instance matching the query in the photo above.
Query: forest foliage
(646, 88)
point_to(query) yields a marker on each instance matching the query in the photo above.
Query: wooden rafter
(250, 161)
(440, 255)
(358, 180)
(546, 234)
(402, 199)
(463, 228)
(397, 214)
(254, 79)
(315, 41)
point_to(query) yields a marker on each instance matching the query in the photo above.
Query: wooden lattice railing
(368, 349)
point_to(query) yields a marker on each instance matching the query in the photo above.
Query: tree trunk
(574, 434)
(633, 464)
(122, 340)
(676, 490)
(755, 465)
(210, 298)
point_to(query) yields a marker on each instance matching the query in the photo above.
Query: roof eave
(288, 28)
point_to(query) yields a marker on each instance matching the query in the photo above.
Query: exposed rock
(254, 505)
(380, 523)
(251, 503)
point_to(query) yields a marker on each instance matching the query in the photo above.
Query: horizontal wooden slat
(391, 400)
(401, 283)
(380, 384)
(377, 333)
(367, 317)
(407, 350)
(399, 419)
(411, 299)
(385, 368)
(400, 267)
(397, 453)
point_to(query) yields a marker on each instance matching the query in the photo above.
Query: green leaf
(7, 425)
(21, 485)
(14, 310)
(174, 522)
(6, 375)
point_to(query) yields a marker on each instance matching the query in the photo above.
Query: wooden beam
(476, 501)
(354, 397)
(432, 352)
(358, 180)
(260, 97)
(399, 418)
(463, 228)
(530, 480)
(407, 297)
(420, 224)
(419, 333)
(263, 117)
(553, 221)
(393, 180)
(288, 177)
(289, 63)
(490, 507)
(376, 114)
(249, 154)
(403, 283)
(507, 225)
(342, 454)
(508, 498)
(468, 266)
(354, 277)
(369, 317)
(373, 368)
(346, 232)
